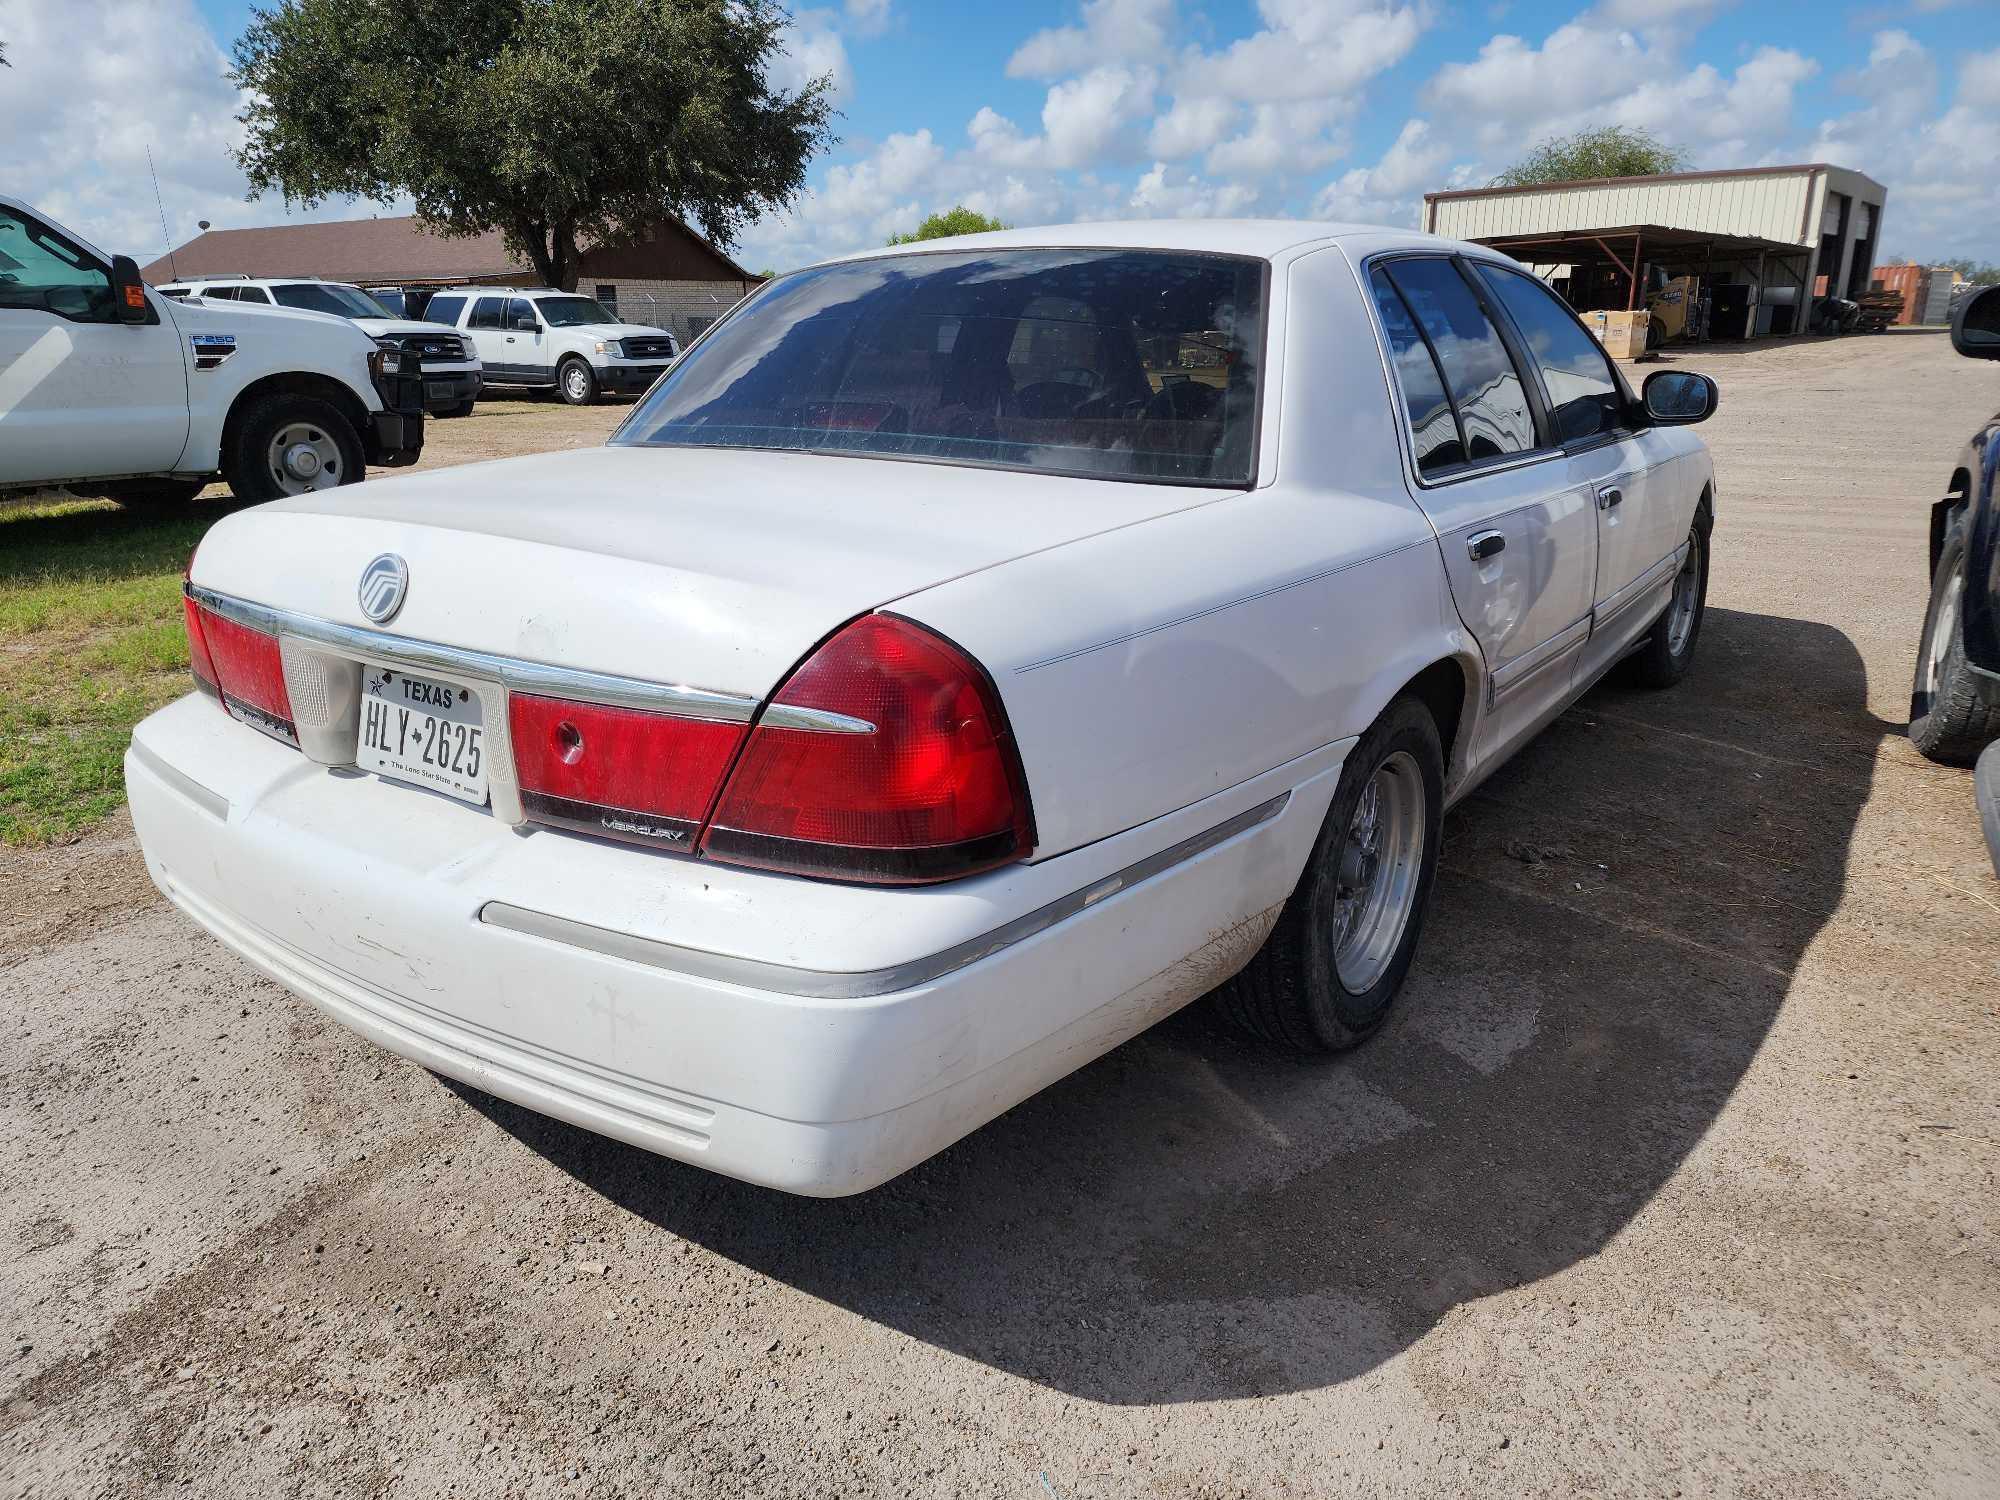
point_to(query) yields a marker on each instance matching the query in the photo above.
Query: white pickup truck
(108, 387)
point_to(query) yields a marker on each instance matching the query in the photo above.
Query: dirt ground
(1673, 1174)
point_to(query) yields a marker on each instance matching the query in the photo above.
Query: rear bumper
(814, 1038)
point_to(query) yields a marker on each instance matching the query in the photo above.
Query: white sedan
(963, 658)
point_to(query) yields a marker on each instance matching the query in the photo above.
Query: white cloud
(1389, 191)
(812, 48)
(1112, 31)
(1307, 49)
(1168, 192)
(1085, 120)
(1979, 79)
(1192, 126)
(867, 17)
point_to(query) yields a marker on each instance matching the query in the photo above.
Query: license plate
(423, 731)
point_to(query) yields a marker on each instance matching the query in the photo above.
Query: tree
(1608, 151)
(1978, 272)
(557, 122)
(958, 220)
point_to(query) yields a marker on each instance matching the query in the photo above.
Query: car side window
(1479, 373)
(1433, 426)
(254, 294)
(445, 310)
(1582, 389)
(486, 312)
(41, 271)
(219, 293)
(519, 308)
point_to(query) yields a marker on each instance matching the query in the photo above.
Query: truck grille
(655, 347)
(432, 345)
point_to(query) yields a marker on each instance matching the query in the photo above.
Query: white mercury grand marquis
(961, 659)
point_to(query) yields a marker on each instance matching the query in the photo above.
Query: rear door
(1517, 529)
(486, 326)
(82, 394)
(1620, 463)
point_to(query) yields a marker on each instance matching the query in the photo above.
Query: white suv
(452, 376)
(537, 337)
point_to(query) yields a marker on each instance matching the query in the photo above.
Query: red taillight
(245, 669)
(934, 792)
(198, 658)
(618, 772)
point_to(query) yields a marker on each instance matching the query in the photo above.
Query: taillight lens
(241, 666)
(936, 791)
(618, 772)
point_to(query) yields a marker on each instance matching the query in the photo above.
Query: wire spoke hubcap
(304, 457)
(1375, 887)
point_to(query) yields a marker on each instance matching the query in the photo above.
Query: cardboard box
(1623, 334)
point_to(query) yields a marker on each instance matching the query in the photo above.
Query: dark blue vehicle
(1955, 702)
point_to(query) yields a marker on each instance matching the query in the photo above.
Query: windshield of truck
(1134, 364)
(573, 312)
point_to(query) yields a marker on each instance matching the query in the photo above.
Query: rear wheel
(1949, 720)
(292, 445)
(1326, 976)
(575, 383)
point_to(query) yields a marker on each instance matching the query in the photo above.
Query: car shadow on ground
(1198, 1217)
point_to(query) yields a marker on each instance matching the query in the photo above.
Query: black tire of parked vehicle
(575, 382)
(154, 494)
(1669, 649)
(1949, 722)
(1291, 992)
(244, 459)
(463, 409)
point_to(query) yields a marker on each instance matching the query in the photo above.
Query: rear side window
(445, 310)
(1581, 387)
(1485, 387)
(254, 294)
(1433, 427)
(488, 312)
(220, 293)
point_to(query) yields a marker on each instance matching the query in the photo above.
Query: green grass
(91, 641)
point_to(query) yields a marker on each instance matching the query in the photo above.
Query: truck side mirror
(128, 292)
(1975, 331)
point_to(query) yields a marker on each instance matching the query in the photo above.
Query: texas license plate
(423, 731)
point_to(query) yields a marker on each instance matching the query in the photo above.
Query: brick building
(670, 277)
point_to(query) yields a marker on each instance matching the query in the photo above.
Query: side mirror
(1674, 398)
(128, 292)
(526, 325)
(1975, 330)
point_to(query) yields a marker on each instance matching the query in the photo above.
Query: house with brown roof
(670, 276)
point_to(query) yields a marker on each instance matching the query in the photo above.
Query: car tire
(259, 462)
(576, 383)
(1950, 722)
(1668, 651)
(1986, 793)
(463, 409)
(1334, 963)
(155, 494)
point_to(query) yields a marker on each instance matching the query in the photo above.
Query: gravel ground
(1674, 1174)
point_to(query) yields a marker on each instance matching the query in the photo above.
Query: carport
(1597, 268)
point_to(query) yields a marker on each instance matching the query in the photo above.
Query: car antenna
(172, 269)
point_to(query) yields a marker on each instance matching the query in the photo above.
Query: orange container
(1907, 281)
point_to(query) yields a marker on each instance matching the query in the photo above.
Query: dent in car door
(1518, 535)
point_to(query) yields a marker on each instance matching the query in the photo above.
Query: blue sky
(1056, 109)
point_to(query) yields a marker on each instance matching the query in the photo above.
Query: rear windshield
(330, 297)
(1120, 363)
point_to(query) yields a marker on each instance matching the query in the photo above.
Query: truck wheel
(155, 494)
(291, 445)
(463, 409)
(1326, 976)
(1949, 722)
(575, 382)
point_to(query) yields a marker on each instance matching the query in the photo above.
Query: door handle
(1609, 496)
(510, 338)
(1485, 545)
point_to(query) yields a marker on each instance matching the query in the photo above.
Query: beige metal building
(1773, 232)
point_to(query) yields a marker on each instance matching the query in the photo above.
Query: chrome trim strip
(1505, 679)
(819, 984)
(516, 675)
(213, 803)
(1635, 592)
